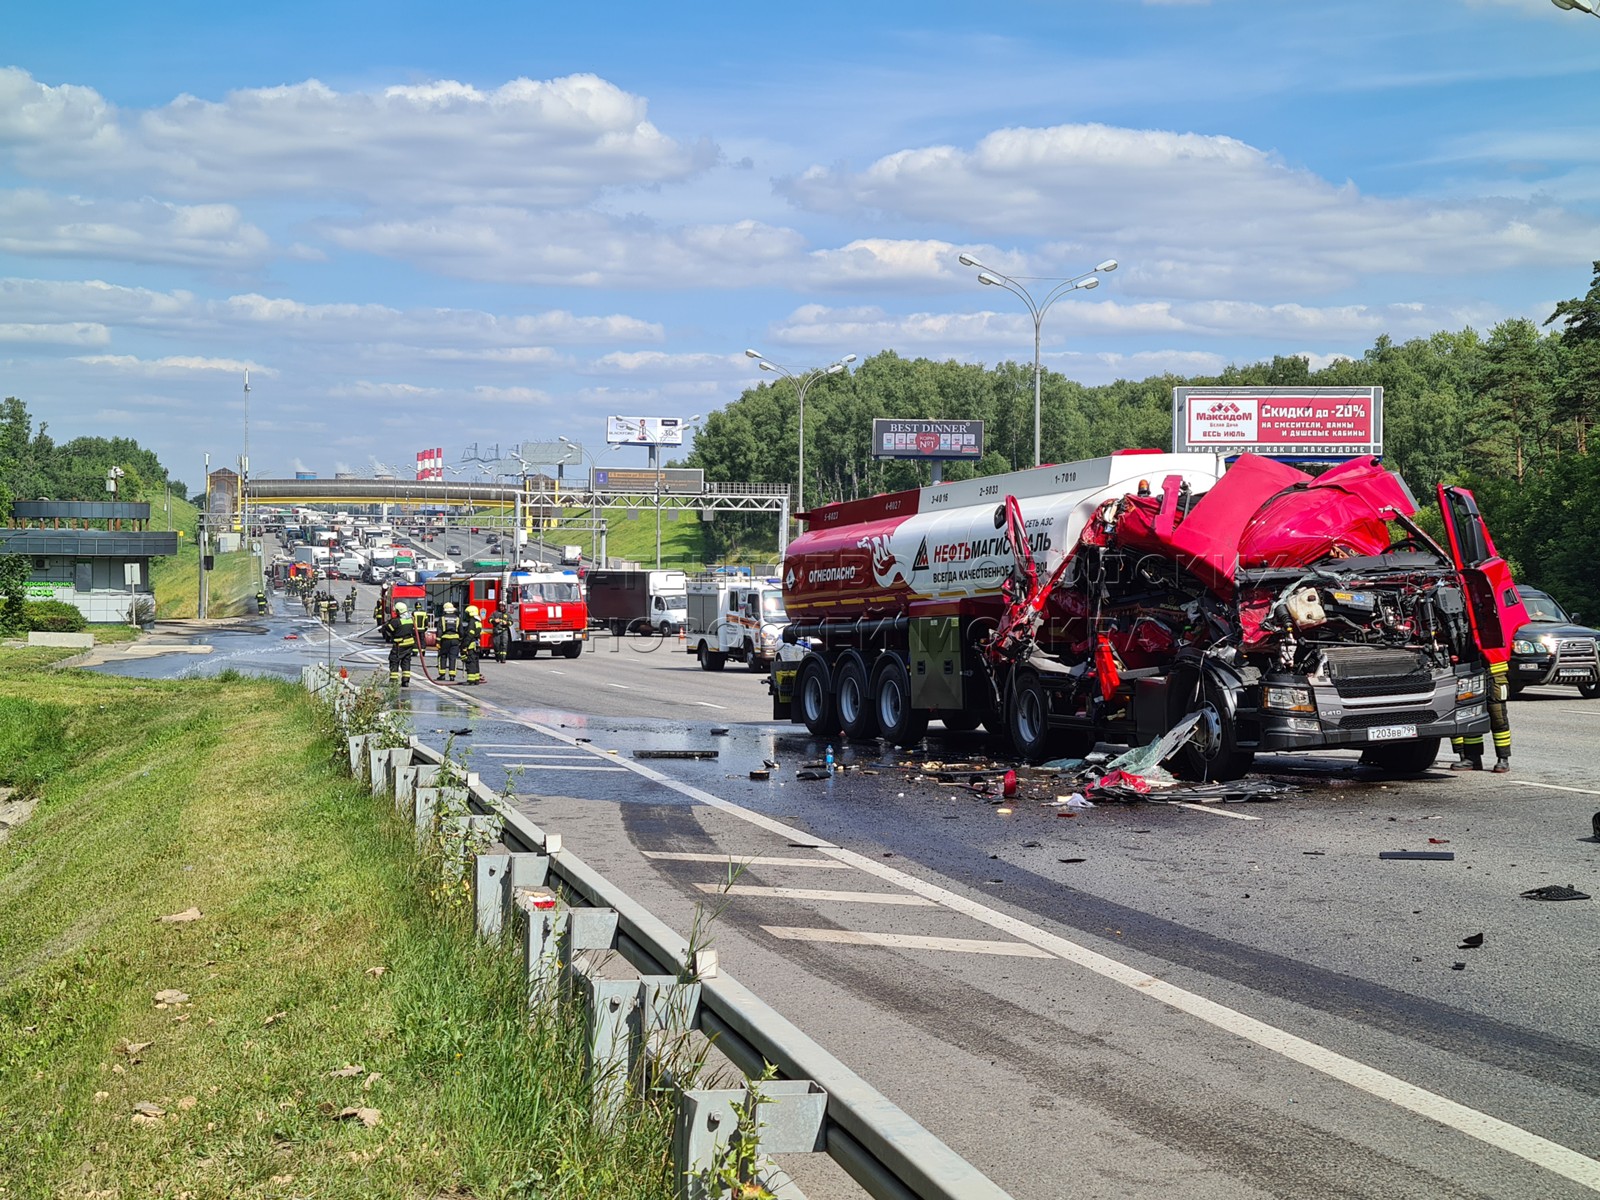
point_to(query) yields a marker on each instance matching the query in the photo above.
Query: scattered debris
(761, 775)
(1438, 841)
(348, 1071)
(1555, 891)
(676, 753)
(1031, 845)
(131, 1050)
(1071, 860)
(810, 773)
(167, 997)
(1005, 812)
(1076, 800)
(1458, 966)
(181, 918)
(1431, 855)
(770, 764)
(719, 731)
(1314, 852)
(1471, 942)
(146, 1108)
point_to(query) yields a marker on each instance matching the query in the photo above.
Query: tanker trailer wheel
(710, 660)
(1028, 716)
(1402, 758)
(1212, 751)
(813, 698)
(898, 722)
(853, 695)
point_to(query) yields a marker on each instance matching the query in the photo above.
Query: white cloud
(661, 363)
(71, 333)
(38, 224)
(173, 367)
(1187, 197)
(538, 142)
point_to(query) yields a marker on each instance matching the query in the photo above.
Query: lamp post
(1059, 288)
(1587, 6)
(802, 383)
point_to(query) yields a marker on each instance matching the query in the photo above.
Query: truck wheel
(960, 722)
(813, 698)
(710, 660)
(1212, 752)
(898, 722)
(1028, 716)
(752, 660)
(853, 694)
(1589, 691)
(1402, 758)
(572, 649)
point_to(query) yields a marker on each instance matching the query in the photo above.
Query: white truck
(649, 603)
(738, 618)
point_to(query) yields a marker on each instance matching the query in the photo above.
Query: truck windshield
(1542, 608)
(772, 607)
(548, 593)
(674, 603)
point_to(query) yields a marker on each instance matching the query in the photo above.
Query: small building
(99, 570)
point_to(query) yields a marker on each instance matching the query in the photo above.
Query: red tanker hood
(1210, 533)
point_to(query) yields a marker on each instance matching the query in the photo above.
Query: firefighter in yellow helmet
(402, 642)
(471, 636)
(449, 643)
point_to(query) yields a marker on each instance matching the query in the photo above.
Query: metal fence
(813, 1104)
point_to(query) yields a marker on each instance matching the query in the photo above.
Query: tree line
(1509, 415)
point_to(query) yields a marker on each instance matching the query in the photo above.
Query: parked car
(1554, 648)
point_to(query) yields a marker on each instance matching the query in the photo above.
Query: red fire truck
(547, 607)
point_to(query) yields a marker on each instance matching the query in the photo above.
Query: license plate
(1391, 733)
(1574, 675)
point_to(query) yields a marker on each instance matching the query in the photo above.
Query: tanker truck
(1111, 599)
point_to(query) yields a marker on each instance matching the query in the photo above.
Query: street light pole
(1587, 6)
(1059, 288)
(802, 384)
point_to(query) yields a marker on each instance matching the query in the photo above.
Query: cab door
(1493, 605)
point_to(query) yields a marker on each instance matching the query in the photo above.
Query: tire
(754, 661)
(853, 696)
(1513, 690)
(1028, 716)
(1402, 758)
(1589, 691)
(898, 722)
(572, 649)
(960, 722)
(813, 698)
(1213, 754)
(710, 660)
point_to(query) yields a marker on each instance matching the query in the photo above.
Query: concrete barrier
(75, 641)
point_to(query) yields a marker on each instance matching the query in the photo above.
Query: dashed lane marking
(624, 687)
(537, 752)
(1556, 787)
(548, 766)
(754, 860)
(708, 704)
(794, 893)
(906, 941)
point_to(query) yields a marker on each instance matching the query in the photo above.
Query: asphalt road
(1226, 1001)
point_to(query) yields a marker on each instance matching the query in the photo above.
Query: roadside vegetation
(221, 973)
(176, 577)
(683, 543)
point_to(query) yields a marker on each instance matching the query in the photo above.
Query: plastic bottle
(829, 759)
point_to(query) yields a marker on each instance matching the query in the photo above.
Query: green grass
(224, 795)
(683, 542)
(176, 577)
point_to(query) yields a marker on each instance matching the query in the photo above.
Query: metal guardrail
(815, 1103)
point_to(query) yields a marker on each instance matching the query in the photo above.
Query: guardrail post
(703, 1126)
(669, 1008)
(358, 756)
(427, 803)
(540, 929)
(408, 779)
(788, 1116)
(522, 871)
(488, 892)
(609, 1007)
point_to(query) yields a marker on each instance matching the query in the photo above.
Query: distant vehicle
(738, 619)
(1553, 648)
(453, 548)
(650, 603)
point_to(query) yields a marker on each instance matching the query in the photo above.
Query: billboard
(430, 463)
(926, 439)
(673, 480)
(645, 431)
(1290, 422)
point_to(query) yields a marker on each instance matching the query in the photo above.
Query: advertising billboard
(673, 480)
(926, 439)
(1287, 422)
(644, 431)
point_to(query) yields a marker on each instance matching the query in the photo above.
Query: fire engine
(547, 607)
(1114, 598)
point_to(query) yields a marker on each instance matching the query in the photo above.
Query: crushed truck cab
(1112, 598)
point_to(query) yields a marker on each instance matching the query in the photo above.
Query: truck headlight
(1469, 687)
(1289, 699)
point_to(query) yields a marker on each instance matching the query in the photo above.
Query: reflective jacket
(449, 628)
(401, 632)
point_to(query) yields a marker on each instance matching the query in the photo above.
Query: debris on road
(719, 731)
(676, 753)
(1555, 891)
(1428, 855)
(812, 774)
(761, 775)
(1471, 942)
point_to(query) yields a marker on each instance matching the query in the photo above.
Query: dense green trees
(33, 467)
(1508, 414)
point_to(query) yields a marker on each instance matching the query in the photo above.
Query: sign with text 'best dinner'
(1310, 423)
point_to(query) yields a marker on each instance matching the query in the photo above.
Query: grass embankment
(320, 977)
(176, 577)
(683, 542)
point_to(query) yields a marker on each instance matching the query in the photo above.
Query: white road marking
(1582, 712)
(708, 704)
(553, 671)
(545, 766)
(1513, 1139)
(1212, 809)
(1556, 787)
(754, 860)
(906, 941)
(623, 686)
(538, 752)
(794, 893)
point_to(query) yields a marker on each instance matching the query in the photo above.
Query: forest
(34, 467)
(1509, 415)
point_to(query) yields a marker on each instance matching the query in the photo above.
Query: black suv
(1552, 648)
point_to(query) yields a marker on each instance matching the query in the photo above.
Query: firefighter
(377, 617)
(402, 636)
(261, 602)
(350, 605)
(471, 632)
(500, 633)
(449, 643)
(1469, 750)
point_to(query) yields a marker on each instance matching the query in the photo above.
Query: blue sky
(500, 222)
